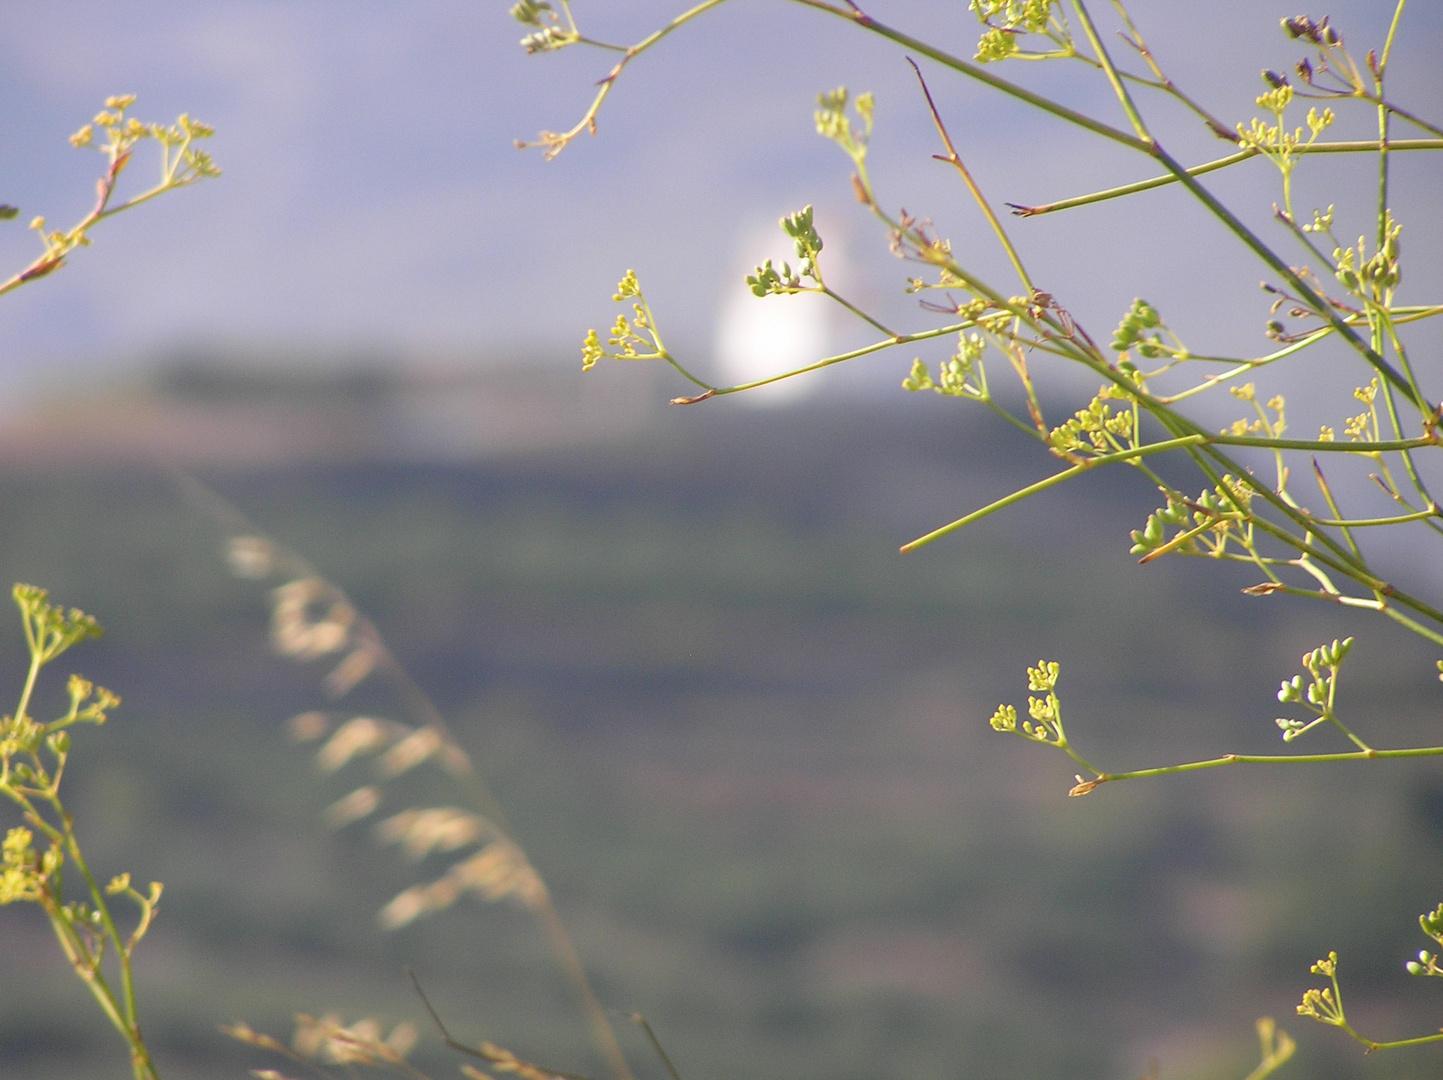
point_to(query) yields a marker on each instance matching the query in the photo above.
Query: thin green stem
(1066, 748)
(1333, 506)
(827, 291)
(1412, 624)
(1332, 717)
(131, 1029)
(1242, 367)
(553, 143)
(955, 160)
(1383, 149)
(1392, 34)
(663, 353)
(900, 339)
(1270, 759)
(22, 710)
(1402, 113)
(1408, 465)
(1051, 481)
(1105, 59)
(1323, 446)
(1213, 166)
(1135, 39)
(1363, 523)
(89, 972)
(1371, 1045)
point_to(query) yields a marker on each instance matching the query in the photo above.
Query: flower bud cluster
(1094, 430)
(1317, 694)
(549, 33)
(1429, 963)
(1006, 21)
(1373, 276)
(960, 376)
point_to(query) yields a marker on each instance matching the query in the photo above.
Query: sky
(374, 205)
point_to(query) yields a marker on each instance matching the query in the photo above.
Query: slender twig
(666, 1062)
(554, 143)
(1213, 166)
(456, 1044)
(1256, 759)
(865, 350)
(951, 157)
(1051, 481)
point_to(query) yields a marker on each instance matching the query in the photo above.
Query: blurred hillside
(743, 738)
(225, 412)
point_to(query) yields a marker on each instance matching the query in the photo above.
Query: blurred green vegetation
(746, 742)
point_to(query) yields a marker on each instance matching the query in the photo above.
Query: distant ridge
(207, 413)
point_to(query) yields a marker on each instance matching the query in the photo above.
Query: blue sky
(373, 203)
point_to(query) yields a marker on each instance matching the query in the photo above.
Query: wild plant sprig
(34, 754)
(1326, 1006)
(1348, 147)
(181, 164)
(551, 142)
(1317, 695)
(1045, 713)
(1336, 64)
(1346, 292)
(1140, 331)
(637, 338)
(1147, 144)
(33, 758)
(1275, 142)
(914, 242)
(1235, 225)
(769, 280)
(854, 14)
(1009, 23)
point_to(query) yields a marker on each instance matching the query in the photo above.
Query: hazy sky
(373, 202)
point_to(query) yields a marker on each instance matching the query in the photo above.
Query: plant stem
(954, 159)
(1056, 478)
(900, 339)
(1213, 166)
(1271, 759)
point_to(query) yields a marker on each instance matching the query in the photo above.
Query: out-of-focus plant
(37, 854)
(313, 620)
(34, 753)
(1324, 287)
(116, 136)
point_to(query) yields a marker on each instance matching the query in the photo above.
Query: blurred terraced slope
(744, 739)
